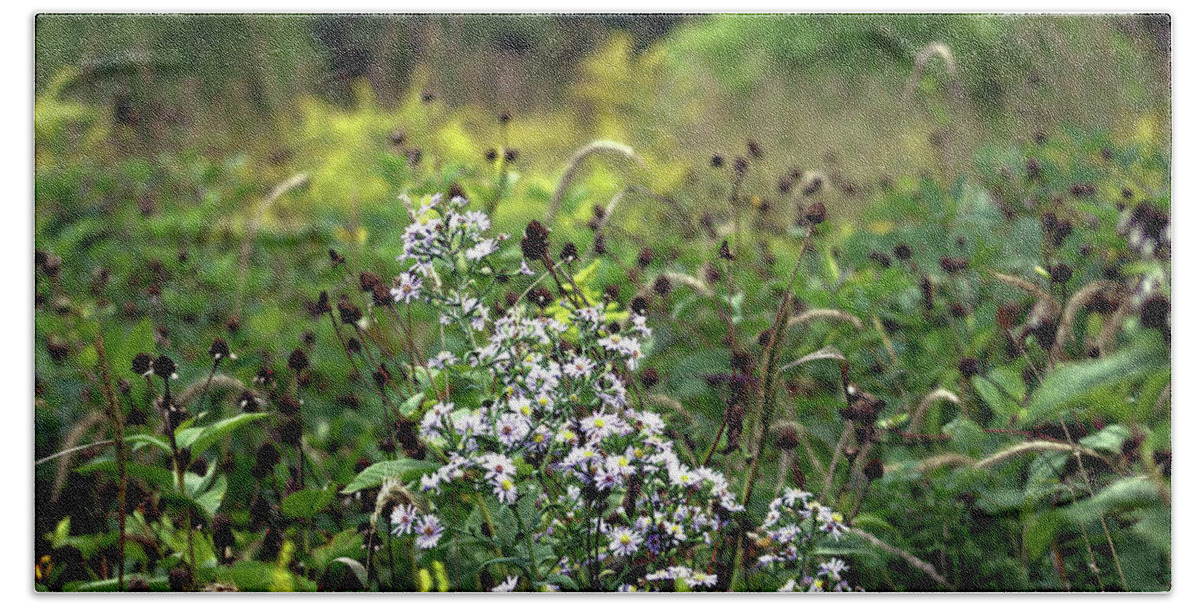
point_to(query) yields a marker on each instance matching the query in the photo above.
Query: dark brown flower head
(298, 361)
(954, 264)
(233, 324)
(1083, 190)
(265, 376)
(815, 213)
(164, 366)
(490, 155)
(569, 253)
(612, 292)
(219, 349)
(902, 252)
(291, 432)
(880, 258)
(662, 286)
(754, 150)
(368, 280)
(265, 460)
(968, 366)
(741, 166)
(958, 310)
(1008, 315)
(873, 469)
(382, 376)
(1060, 273)
(535, 242)
(142, 364)
(353, 346)
(724, 253)
(180, 579)
(349, 312)
(639, 305)
(650, 377)
(336, 257)
(717, 161)
(1156, 312)
(813, 186)
(510, 155)
(645, 257)
(540, 296)
(247, 402)
(287, 404)
(456, 191)
(787, 437)
(398, 137)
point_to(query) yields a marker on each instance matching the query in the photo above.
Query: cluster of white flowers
(793, 526)
(553, 420)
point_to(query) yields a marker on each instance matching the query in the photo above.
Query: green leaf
(1109, 439)
(137, 441)
(404, 469)
(1072, 383)
(306, 503)
(202, 438)
(210, 501)
(155, 475)
(1127, 493)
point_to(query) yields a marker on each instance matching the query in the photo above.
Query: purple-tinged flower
(429, 531)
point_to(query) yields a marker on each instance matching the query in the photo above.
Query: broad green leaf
(404, 469)
(157, 476)
(304, 504)
(1071, 383)
(1127, 493)
(202, 438)
(1109, 439)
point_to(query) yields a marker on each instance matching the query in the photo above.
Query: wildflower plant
(546, 453)
(795, 526)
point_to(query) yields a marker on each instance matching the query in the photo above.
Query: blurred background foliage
(860, 96)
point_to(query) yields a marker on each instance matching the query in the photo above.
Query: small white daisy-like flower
(623, 541)
(403, 518)
(429, 531)
(508, 585)
(408, 288)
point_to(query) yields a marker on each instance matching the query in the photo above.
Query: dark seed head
(265, 460)
(510, 155)
(873, 469)
(298, 361)
(645, 257)
(336, 257)
(490, 155)
(788, 437)
(639, 305)
(1060, 273)
(650, 377)
(957, 310)
(724, 252)
(741, 166)
(219, 349)
(540, 296)
(142, 364)
(753, 149)
(717, 161)
(902, 252)
(569, 253)
(815, 213)
(505, 116)
(953, 265)
(968, 366)
(535, 241)
(1156, 312)
(349, 312)
(164, 366)
(662, 286)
